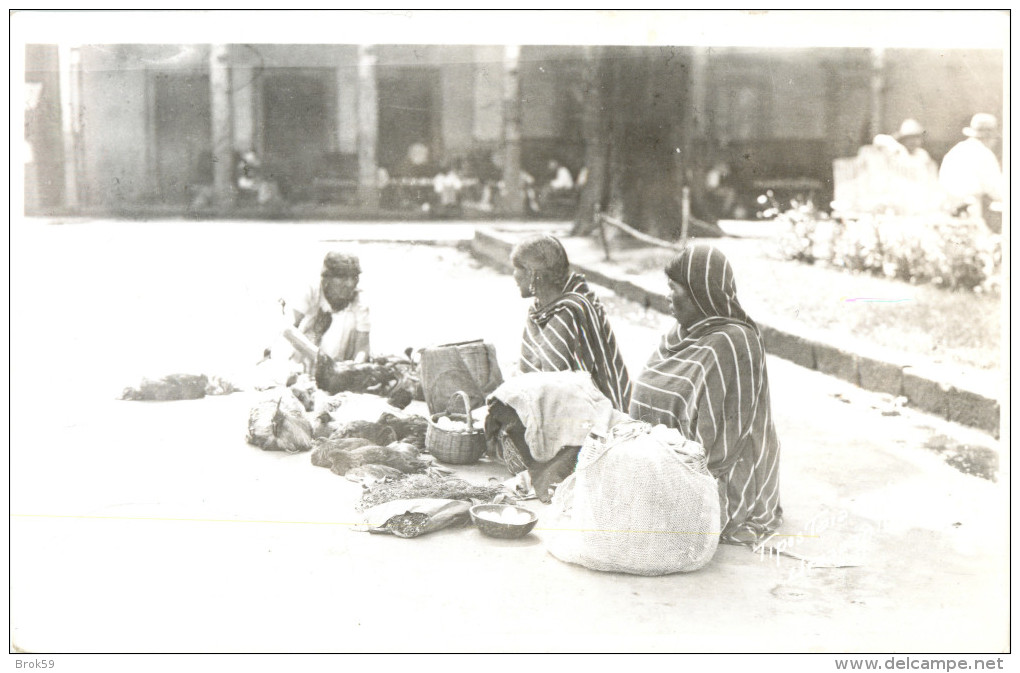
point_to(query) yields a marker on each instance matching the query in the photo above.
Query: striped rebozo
(573, 334)
(708, 379)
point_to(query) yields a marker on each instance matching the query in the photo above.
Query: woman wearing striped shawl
(708, 379)
(566, 329)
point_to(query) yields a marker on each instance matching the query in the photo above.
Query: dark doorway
(298, 119)
(183, 130)
(408, 114)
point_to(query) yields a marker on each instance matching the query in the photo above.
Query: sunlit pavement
(154, 527)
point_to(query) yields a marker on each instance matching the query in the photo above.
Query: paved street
(154, 527)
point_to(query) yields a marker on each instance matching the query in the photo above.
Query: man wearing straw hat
(971, 175)
(907, 143)
(909, 181)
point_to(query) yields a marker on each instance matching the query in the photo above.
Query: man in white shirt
(332, 313)
(907, 179)
(907, 145)
(970, 172)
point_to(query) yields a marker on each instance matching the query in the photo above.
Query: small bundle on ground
(414, 517)
(324, 451)
(410, 429)
(388, 376)
(278, 423)
(361, 459)
(178, 387)
(376, 455)
(377, 433)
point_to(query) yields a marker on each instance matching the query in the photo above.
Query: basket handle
(467, 408)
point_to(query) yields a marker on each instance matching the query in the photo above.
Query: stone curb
(924, 390)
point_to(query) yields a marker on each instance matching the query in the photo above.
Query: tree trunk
(635, 134)
(596, 138)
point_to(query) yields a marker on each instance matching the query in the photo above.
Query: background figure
(448, 185)
(722, 196)
(253, 183)
(907, 145)
(892, 175)
(483, 169)
(413, 178)
(557, 187)
(911, 179)
(971, 175)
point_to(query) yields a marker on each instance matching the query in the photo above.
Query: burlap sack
(641, 501)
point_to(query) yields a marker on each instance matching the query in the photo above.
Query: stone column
(368, 128)
(70, 109)
(877, 91)
(222, 125)
(242, 106)
(512, 201)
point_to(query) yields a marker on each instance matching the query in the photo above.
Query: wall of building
(789, 113)
(115, 138)
(457, 81)
(552, 100)
(487, 113)
(779, 113)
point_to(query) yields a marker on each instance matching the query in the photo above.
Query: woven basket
(457, 448)
(476, 357)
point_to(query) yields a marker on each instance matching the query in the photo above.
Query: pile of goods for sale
(424, 503)
(359, 459)
(433, 486)
(178, 387)
(279, 423)
(393, 377)
(354, 419)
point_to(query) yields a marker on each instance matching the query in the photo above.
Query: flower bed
(939, 250)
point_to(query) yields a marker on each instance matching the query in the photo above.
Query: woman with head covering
(566, 329)
(708, 379)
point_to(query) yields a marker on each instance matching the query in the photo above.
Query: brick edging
(952, 402)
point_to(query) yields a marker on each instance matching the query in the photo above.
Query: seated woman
(708, 379)
(537, 423)
(332, 315)
(566, 329)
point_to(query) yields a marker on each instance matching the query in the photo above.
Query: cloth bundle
(641, 501)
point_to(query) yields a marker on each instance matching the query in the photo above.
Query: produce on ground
(428, 486)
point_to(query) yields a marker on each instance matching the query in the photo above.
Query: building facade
(111, 127)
